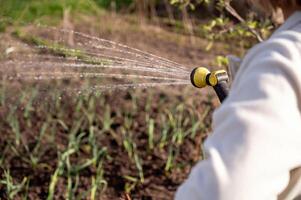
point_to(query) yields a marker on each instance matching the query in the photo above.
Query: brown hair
(274, 4)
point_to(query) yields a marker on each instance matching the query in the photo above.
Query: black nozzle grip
(222, 90)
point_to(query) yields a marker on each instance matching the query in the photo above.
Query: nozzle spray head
(198, 77)
(201, 77)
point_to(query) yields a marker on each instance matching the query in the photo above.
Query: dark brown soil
(159, 183)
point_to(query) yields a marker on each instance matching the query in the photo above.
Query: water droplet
(9, 50)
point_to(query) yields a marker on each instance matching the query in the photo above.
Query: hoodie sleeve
(256, 136)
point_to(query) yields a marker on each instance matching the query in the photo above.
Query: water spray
(201, 77)
(96, 58)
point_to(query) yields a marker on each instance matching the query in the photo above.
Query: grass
(32, 10)
(57, 48)
(19, 12)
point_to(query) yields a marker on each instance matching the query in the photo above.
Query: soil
(158, 183)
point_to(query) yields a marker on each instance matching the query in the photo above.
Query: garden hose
(201, 77)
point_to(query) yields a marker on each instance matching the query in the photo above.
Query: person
(254, 152)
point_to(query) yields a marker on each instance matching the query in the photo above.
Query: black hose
(222, 90)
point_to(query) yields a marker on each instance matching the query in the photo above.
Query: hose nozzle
(201, 77)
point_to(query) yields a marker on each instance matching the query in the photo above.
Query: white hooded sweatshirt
(256, 139)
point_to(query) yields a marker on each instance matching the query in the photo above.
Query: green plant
(151, 127)
(131, 148)
(98, 181)
(2, 92)
(12, 189)
(13, 122)
(107, 119)
(131, 183)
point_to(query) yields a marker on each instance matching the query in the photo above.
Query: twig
(233, 12)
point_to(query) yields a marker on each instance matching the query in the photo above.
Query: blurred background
(127, 144)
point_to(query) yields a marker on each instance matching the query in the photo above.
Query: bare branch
(233, 12)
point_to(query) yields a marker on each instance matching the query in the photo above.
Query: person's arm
(257, 131)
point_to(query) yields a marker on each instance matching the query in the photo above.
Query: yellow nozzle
(218, 76)
(198, 77)
(202, 77)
